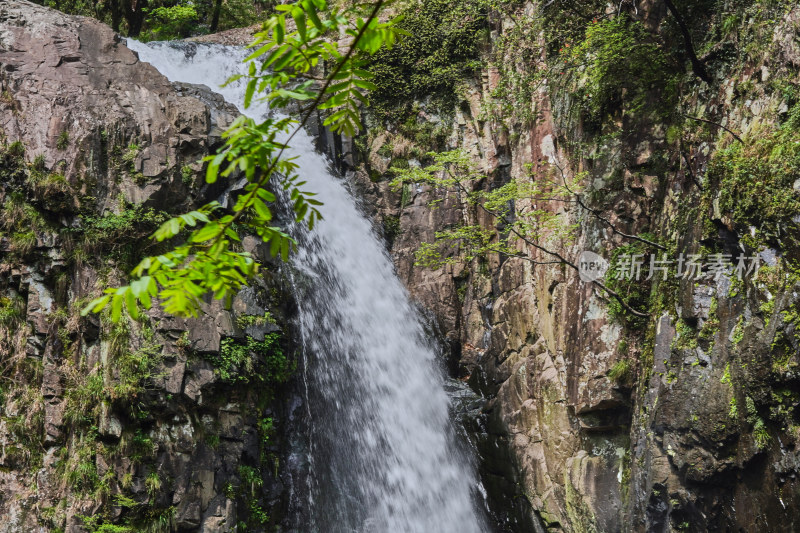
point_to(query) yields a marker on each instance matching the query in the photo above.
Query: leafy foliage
(621, 372)
(633, 291)
(252, 360)
(281, 71)
(756, 180)
(171, 22)
(441, 48)
(166, 19)
(519, 208)
(617, 56)
(63, 140)
(517, 57)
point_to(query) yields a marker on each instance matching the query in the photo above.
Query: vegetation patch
(618, 60)
(622, 278)
(440, 50)
(758, 183)
(622, 372)
(252, 360)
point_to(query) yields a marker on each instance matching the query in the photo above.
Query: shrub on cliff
(440, 50)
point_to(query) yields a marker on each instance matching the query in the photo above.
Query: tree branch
(697, 66)
(714, 124)
(561, 258)
(689, 166)
(305, 118)
(601, 218)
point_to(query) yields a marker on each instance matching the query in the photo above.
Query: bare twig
(601, 218)
(689, 166)
(714, 124)
(697, 66)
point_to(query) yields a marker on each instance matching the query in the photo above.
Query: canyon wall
(157, 424)
(596, 419)
(599, 420)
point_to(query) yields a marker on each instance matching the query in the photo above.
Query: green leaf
(213, 167)
(285, 249)
(207, 232)
(280, 30)
(261, 208)
(116, 308)
(300, 20)
(249, 90)
(131, 304)
(311, 11)
(274, 246)
(232, 234)
(261, 51)
(96, 305)
(266, 195)
(364, 84)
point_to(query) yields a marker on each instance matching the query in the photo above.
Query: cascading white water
(383, 452)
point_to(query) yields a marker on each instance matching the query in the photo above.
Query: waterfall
(384, 454)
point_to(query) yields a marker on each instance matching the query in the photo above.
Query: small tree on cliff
(529, 216)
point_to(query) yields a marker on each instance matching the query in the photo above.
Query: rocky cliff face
(151, 425)
(598, 421)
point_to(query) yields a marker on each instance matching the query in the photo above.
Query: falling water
(383, 452)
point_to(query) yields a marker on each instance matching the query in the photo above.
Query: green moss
(139, 446)
(139, 178)
(687, 335)
(251, 480)
(622, 347)
(517, 79)
(119, 237)
(761, 435)
(726, 375)
(386, 150)
(425, 134)
(22, 243)
(733, 410)
(635, 292)
(12, 311)
(133, 371)
(153, 484)
(187, 175)
(80, 471)
(130, 155)
(755, 180)
(405, 195)
(246, 321)
(617, 60)
(114, 227)
(738, 331)
(391, 228)
(711, 326)
(399, 163)
(85, 396)
(442, 48)
(48, 184)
